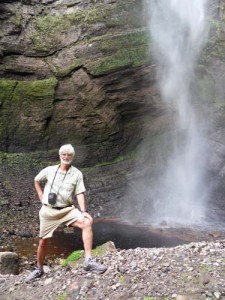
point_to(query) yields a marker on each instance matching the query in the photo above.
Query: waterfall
(178, 30)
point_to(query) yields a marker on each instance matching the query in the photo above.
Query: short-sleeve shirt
(65, 184)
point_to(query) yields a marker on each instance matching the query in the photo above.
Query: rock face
(82, 72)
(72, 71)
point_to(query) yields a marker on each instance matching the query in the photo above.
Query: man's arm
(38, 189)
(81, 202)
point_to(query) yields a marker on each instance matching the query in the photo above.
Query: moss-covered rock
(24, 103)
(120, 51)
(51, 32)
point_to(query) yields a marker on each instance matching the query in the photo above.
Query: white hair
(67, 148)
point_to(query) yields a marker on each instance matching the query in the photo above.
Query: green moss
(59, 72)
(6, 89)
(9, 107)
(16, 20)
(74, 256)
(62, 297)
(48, 29)
(124, 58)
(109, 44)
(16, 160)
(98, 251)
(130, 156)
(120, 51)
(122, 279)
(218, 49)
(215, 45)
(37, 89)
(24, 99)
(206, 268)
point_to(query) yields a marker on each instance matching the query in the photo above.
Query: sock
(87, 258)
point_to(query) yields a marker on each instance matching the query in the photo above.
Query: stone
(217, 295)
(9, 263)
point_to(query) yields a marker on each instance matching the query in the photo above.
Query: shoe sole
(94, 271)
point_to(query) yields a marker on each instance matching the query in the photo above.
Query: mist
(175, 191)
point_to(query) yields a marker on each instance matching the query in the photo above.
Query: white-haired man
(62, 183)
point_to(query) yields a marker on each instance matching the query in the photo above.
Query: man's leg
(87, 235)
(41, 251)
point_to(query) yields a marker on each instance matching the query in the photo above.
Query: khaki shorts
(51, 218)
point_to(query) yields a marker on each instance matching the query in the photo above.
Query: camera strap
(54, 180)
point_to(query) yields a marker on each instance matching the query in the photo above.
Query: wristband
(83, 210)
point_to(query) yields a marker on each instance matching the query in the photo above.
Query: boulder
(9, 263)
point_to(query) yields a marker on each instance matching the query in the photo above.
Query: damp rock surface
(191, 271)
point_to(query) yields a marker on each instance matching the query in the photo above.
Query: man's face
(66, 158)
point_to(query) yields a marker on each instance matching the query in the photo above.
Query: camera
(52, 198)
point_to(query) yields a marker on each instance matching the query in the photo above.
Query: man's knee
(87, 223)
(43, 243)
(82, 223)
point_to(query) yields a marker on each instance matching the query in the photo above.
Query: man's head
(66, 154)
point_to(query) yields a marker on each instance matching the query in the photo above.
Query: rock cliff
(83, 72)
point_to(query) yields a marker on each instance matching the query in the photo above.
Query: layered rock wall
(82, 72)
(73, 71)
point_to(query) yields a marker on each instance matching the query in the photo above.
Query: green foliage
(74, 256)
(17, 159)
(122, 279)
(98, 251)
(206, 268)
(62, 297)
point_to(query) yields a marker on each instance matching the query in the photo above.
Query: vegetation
(206, 269)
(22, 103)
(63, 296)
(133, 57)
(49, 29)
(74, 256)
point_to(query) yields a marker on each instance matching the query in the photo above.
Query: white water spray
(177, 34)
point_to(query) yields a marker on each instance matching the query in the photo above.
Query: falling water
(177, 33)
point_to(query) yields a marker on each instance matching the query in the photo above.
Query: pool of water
(124, 236)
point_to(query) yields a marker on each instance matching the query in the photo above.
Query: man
(62, 182)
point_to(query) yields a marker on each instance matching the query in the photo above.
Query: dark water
(124, 236)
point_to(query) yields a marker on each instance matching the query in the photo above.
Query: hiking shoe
(92, 266)
(37, 273)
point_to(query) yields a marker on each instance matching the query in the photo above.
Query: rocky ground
(191, 271)
(195, 270)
